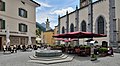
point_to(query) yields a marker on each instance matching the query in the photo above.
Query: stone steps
(63, 56)
(52, 60)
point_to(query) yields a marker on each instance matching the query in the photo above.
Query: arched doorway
(83, 26)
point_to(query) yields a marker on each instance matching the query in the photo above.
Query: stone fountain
(50, 57)
(48, 53)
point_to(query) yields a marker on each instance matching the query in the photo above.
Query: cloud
(43, 4)
(63, 11)
(95, 0)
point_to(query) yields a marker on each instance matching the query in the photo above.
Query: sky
(52, 8)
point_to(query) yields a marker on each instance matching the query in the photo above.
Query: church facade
(101, 17)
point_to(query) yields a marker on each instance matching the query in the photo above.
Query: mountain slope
(41, 28)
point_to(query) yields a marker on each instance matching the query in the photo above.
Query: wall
(83, 15)
(117, 8)
(99, 8)
(72, 20)
(12, 18)
(62, 23)
(48, 37)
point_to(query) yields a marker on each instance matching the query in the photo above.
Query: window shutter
(3, 6)
(19, 11)
(19, 27)
(0, 23)
(25, 14)
(3, 24)
(26, 28)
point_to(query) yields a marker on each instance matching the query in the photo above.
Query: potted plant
(93, 57)
(87, 50)
(103, 51)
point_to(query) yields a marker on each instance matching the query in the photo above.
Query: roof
(50, 30)
(35, 3)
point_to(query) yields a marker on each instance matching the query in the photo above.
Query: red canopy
(67, 40)
(79, 34)
(61, 39)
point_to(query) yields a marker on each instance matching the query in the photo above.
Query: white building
(19, 17)
(102, 17)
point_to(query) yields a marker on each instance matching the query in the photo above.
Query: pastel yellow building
(48, 39)
(47, 36)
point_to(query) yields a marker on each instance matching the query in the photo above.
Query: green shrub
(103, 50)
(93, 56)
(87, 47)
(82, 46)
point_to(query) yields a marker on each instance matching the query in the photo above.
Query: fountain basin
(48, 53)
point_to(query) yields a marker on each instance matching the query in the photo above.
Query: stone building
(18, 16)
(101, 17)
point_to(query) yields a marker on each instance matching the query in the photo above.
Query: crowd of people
(11, 48)
(77, 49)
(15, 48)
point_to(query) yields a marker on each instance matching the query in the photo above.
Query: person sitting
(49, 48)
(12, 49)
(23, 47)
(15, 48)
(4, 48)
(110, 51)
(42, 48)
(9, 48)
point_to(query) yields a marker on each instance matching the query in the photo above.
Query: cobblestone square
(21, 59)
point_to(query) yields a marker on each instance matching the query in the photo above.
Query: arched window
(100, 25)
(72, 28)
(83, 26)
(63, 29)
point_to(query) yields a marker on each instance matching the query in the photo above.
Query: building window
(22, 27)
(72, 28)
(23, 2)
(83, 26)
(100, 25)
(22, 12)
(2, 6)
(2, 24)
(63, 29)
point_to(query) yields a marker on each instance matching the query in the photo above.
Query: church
(101, 17)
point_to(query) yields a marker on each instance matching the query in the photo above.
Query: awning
(60, 39)
(93, 42)
(89, 40)
(79, 34)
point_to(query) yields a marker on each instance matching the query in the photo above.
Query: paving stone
(21, 59)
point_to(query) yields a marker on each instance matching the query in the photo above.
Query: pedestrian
(15, 48)
(12, 49)
(110, 51)
(48, 47)
(4, 48)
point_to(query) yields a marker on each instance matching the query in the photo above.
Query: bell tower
(47, 24)
(84, 2)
